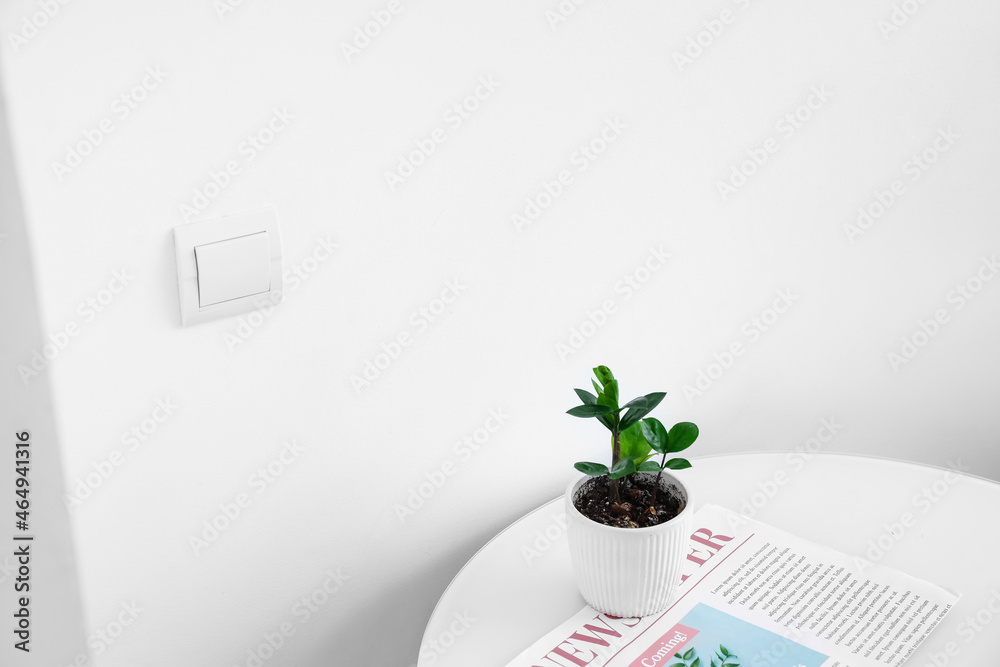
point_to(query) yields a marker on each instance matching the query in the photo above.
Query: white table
(520, 585)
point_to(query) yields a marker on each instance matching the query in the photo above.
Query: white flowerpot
(629, 572)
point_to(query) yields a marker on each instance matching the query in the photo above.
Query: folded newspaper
(755, 596)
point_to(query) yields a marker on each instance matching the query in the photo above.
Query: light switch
(233, 268)
(228, 265)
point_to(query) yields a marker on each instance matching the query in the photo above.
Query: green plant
(633, 438)
(723, 658)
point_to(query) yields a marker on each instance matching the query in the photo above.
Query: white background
(495, 347)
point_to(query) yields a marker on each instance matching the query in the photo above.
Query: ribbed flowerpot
(629, 572)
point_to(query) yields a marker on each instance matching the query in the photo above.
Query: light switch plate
(228, 265)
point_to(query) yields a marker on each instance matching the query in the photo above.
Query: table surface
(520, 585)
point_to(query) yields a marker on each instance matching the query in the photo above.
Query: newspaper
(755, 596)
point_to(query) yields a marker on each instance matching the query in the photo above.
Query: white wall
(495, 348)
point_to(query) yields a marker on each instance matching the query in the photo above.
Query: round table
(520, 585)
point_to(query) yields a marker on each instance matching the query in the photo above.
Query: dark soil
(635, 509)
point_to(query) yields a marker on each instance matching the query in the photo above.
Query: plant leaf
(611, 392)
(592, 469)
(598, 388)
(610, 400)
(622, 468)
(634, 445)
(635, 401)
(653, 399)
(589, 410)
(604, 375)
(696, 663)
(655, 434)
(634, 414)
(724, 650)
(640, 410)
(677, 464)
(681, 436)
(590, 399)
(649, 466)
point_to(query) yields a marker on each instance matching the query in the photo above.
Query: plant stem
(656, 485)
(616, 453)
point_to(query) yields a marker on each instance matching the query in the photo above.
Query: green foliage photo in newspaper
(723, 658)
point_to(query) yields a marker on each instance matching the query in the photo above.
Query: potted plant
(628, 524)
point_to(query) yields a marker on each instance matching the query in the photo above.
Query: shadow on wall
(55, 629)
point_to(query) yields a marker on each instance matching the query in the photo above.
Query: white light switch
(233, 268)
(228, 265)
